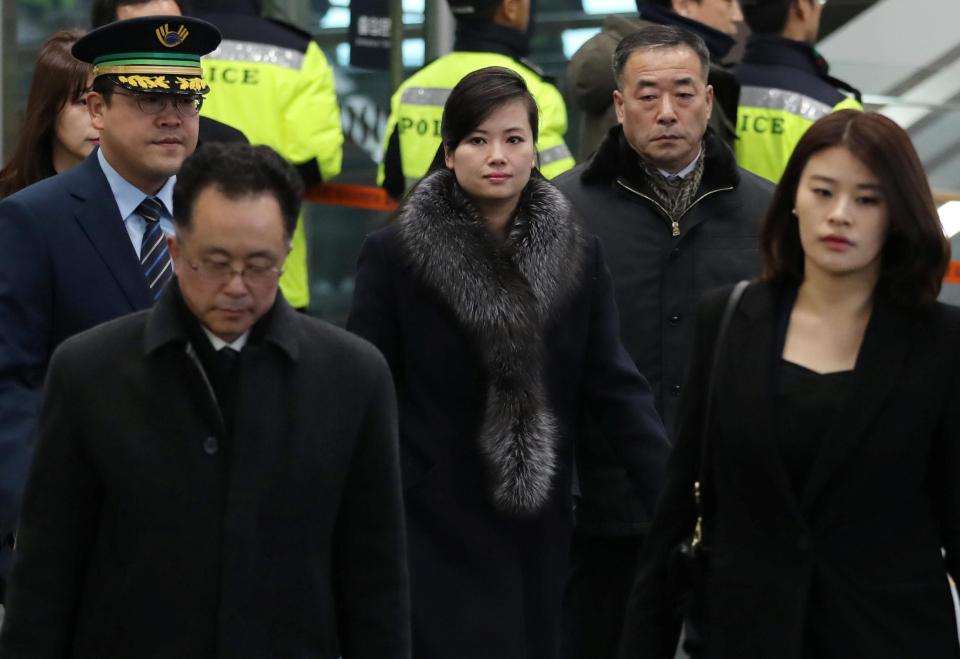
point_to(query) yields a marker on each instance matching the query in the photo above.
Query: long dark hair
(58, 79)
(476, 97)
(915, 252)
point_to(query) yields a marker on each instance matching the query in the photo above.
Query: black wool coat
(499, 352)
(856, 555)
(658, 278)
(148, 532)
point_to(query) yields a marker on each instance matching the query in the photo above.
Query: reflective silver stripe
(781, 99)
(425, 96)
(554, 153)
(258, 53)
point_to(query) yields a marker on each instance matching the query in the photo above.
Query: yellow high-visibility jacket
(784, 90)
(280, 94)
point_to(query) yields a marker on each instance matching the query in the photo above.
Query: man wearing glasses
(217, 476)
(89, 245)
(785, 84)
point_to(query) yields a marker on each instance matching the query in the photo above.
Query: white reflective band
(554, 153)
(257, 53)
(425, 96)
(780, 99)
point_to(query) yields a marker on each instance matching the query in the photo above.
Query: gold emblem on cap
(169, 38)
(146, 82)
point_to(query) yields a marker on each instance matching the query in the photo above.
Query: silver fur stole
(503, 294)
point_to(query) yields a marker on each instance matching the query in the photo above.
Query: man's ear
(618, 104)
(708, 94)
(509, 12)
(96, 105)
(687, 8)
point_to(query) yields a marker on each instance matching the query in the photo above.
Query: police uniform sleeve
(390, 169)
(312, 117)
(555, 155)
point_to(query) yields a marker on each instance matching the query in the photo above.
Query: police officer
(785, 83)
(86, 246)
(489, 33)
(108, 11)
(272, 81)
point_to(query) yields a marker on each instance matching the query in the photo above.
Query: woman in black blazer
(832, 493)
(495, 313)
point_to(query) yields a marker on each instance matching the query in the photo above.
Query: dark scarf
(503, 293)
(678, 196)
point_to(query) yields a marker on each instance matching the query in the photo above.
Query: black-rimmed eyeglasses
(186, 106)
(223, 272)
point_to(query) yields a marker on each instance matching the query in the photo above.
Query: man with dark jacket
(590, 80)
(219, 476)
(786, 84)
(676, 217)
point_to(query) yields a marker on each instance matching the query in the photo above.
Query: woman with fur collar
(495, 312)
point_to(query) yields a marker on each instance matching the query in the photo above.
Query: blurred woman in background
(56, 132)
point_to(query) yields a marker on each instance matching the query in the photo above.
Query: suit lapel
(752, 359)
(100, 220)
(883, 353)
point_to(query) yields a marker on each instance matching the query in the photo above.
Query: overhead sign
(370, 34)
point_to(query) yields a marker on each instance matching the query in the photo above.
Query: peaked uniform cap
(151, 54)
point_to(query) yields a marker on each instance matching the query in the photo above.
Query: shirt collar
(219, 343)
(686, 170)
(127, 195)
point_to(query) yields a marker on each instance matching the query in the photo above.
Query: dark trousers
(601, 576)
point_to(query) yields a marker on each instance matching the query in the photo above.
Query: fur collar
(503, 294)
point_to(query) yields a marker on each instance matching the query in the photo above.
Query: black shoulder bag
(688, 564)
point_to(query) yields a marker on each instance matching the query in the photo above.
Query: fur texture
(503, 294)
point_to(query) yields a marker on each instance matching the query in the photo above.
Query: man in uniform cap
(88, 245)
(489, 33)
(108, 11)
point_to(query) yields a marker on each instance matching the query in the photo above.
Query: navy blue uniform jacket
(66, 264)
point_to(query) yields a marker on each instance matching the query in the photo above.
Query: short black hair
(237, 170)
(103, 86)
(652, 37)
(766, 16)
(103, 12)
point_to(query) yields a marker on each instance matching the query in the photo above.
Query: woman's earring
(794, 212)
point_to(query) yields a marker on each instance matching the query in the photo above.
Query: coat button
(674, 319)
(675, 390)
(211, 445)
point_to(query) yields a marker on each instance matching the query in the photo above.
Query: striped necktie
(154, 259)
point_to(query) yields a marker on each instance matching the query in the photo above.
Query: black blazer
(148, 532)
(66, 264)
(858, 553)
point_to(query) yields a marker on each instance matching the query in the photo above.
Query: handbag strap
(703, 469)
